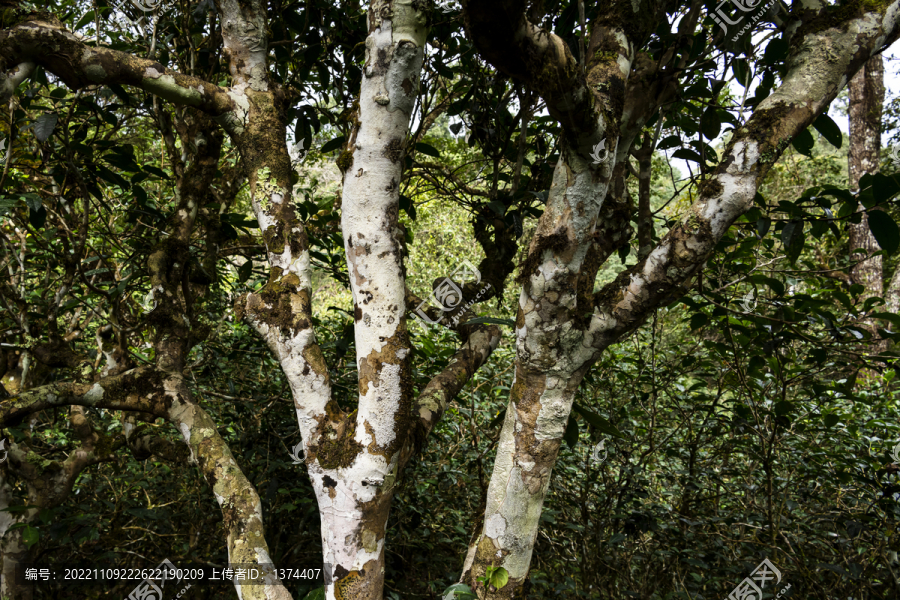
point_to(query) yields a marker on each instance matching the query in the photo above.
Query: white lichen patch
(495, 526)
(379, 407)
(95, 394)
(503, 465)
(556, 404)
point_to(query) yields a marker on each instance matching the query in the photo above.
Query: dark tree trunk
(866, 100)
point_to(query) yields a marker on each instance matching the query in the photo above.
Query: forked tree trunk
(559, 332)
(354, 498)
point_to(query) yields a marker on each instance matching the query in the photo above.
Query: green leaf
(38, 217)
(669, 142)
(698, 321)
(884, 188)
(458, 590)
(742, 71)
(44, 126)
(121, 161)
(334, 144)
(803, 143)
(686, 154)
(156, 171)
(597, 421)
(783, 408)
(892, 318)
(244, 271)
(499, 578)
(710, 124)
(19, 508)
(883, 227)
(120, 92)
(498, 207)
(571, 435)
(790, 232)
(407, 205)
(87, 18)
(773, 284)
(30, 536)
(831, 420)
(316, 594)
(32, 201)
(428, 149)
(491, 321)
(829, 130)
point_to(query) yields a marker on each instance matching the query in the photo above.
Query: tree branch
(79, 65)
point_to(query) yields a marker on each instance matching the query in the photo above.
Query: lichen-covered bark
(47, 44)
(175, 332)
(558, 338)
(431, 403)
(557, 275)
(148, 390)
(813, 80)
(354, 491)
